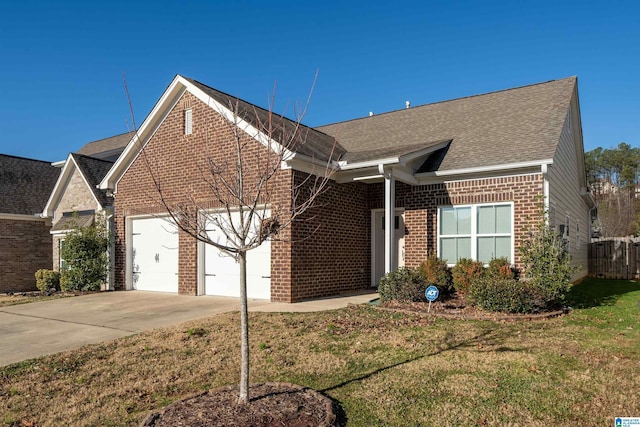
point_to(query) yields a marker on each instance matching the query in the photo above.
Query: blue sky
(61, 62)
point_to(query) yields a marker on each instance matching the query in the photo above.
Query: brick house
(75, 198)
(25, 241)
(461, 178)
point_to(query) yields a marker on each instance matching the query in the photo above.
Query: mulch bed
(271, 404)
(456, 308)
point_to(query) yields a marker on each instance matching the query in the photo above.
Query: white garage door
(222, 273)
(155, 255)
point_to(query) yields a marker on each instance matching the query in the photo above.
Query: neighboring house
(76, 199)
(461, 178)
(25, 242)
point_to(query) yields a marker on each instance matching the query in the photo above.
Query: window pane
(464, 220)
(448, 224)
(486, 220)
(485, 249)
(503, 247)
(503, 219)
(448, 250)
(464, 248)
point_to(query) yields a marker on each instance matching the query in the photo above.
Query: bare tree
(243, 187)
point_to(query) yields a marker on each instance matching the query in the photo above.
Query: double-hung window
(479, 232)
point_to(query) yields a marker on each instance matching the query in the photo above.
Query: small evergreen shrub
(464, 272)
(547, 265)
(85, 253)
(505, 295)
(500, 268)
(436, 272)
(404, 284)
(47, 280)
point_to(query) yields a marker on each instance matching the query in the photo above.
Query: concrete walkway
(35, 329)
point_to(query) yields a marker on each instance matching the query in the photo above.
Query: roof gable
(249, 118)
(92, 171)
(25, 184)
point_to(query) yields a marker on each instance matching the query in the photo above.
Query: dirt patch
(15, 298)
(457, 308)
(271, 404)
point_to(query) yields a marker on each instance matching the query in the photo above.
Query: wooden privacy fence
(615, 257)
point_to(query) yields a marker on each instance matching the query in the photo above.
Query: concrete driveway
(32, 330)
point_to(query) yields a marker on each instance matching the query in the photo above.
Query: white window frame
(61, 267)
(474, 229)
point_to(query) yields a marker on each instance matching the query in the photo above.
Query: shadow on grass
(593, 292)
(447, 345)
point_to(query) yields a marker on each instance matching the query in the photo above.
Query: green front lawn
(383, 368)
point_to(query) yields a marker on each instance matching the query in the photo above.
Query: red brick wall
(25, 247)
(421, 207)
(179, 165)
(332, 243)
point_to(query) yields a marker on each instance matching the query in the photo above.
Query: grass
(385, 369)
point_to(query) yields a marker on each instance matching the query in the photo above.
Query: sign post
(431, 294)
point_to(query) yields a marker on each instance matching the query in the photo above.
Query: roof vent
(407, 104)
(370, 113)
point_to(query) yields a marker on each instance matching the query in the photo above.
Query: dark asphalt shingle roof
(316, 144)
(94, 170)
(25, 184)
(509, 126)
(107, 148)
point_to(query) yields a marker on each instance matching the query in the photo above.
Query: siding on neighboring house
(565, 184)
(24, 249)
(76, 197)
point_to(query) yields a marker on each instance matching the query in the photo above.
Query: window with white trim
(63, 263)
(188, 121)
(479, 232)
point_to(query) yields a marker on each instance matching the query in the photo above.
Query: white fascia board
(485, 169)
(58, 189)
(24, 217)
(59, 163)
(160, 110)
(233, 118)
(369, 163)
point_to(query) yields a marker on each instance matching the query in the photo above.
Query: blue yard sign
(431, 293)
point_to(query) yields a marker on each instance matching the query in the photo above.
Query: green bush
(47, 280)
(404, 284)
(436, 272)
(85, 254)
(464, 272)
(506, 295)
(547, 265)
(500, 268)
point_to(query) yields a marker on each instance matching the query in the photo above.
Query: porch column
(389, 219)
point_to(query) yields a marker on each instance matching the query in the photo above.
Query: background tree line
(614, 178)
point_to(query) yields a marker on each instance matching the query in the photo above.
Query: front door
(378, 249)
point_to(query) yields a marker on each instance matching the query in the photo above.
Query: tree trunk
(243, 398)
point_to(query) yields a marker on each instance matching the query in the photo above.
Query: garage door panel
(155, 255)
(222, 273)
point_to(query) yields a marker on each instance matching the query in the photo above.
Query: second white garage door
(222, 273)
(155, 255)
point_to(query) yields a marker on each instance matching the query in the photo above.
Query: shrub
(464, 272)
(506, 294)
(47, 280)
(500, 268)
(547, 265)
(436, 272)
(404, 284)
(85, 253)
